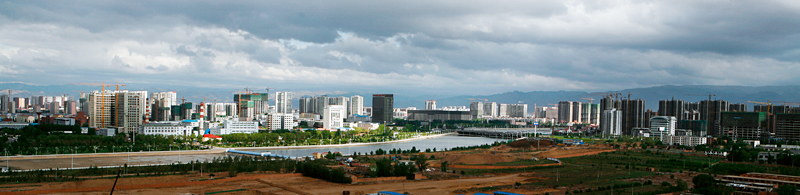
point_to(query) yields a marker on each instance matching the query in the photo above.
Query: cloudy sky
(463, 47)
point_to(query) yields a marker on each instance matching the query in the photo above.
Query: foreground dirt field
(297, 184)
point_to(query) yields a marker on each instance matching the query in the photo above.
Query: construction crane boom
(590, 99)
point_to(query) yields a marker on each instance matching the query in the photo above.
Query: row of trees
(51, 139)
(318, 169)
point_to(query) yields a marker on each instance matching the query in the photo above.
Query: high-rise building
(711, 113)
(129, 110)
(787, 126)
(167, 99)
(743, 125)
(5, 104)
(382, 108)
(19, 103)
(569, 112)
(251, 104)
(71, 107)
(319, 104)
(431, 105)
(518, 110)
(476, 109)
(283, 102)
(612, 124)
(502, 110)
(740, 107)
(306, 105)
(673, 107)
(333, 116)
(633, 114)
(100, 112)
(356, 105)
(698, 127)
(590, 113)
(341, 101)
(489, 109)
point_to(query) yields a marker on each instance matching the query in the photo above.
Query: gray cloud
(442, 46)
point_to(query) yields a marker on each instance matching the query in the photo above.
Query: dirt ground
(294, 184)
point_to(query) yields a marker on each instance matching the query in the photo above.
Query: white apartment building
(490, 109)
(612, 122)
(100, 103)
(342, 101)
(277, 121)
(129, 110)
(683, 140)
(283, 102)
(356, 105)
(364, 125)
(333, 117)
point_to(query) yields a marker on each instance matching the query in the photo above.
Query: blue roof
(388, 192)
(481, 194)
(505, 193)
(189, 121)
(34, 124)
(358, 115)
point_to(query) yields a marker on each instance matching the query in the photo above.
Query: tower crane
(768, 103)
(120, 85)
(590, 99)
(102, 99)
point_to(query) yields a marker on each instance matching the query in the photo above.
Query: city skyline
(430, 47)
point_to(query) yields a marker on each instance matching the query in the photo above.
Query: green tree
(444, 166)
(786, 190)
(421, 161)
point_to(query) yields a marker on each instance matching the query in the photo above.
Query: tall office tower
(612, 124)
(356, 105)
(518, 110)
(431, 105)
(382, 108)
(740, 107)
(211, 112)
(476, 109)
(129, 110)
(711, 112)
(673, 107)
(41, 100)
(489, 109)
(167, 99)
(283, 102)
(71, 107)
(633, 114)
(319, 104)
(333, 116)
(99, 109)
(502, 110)
(251, 105)
(590, 113)
(305, 104)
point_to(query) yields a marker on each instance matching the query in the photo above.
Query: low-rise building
(234, 126)
(166, 128)
(683, 140)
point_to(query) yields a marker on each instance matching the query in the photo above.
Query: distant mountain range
(651, 95)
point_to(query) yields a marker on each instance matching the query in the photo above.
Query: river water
(439, 143)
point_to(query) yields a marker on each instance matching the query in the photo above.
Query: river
(439, 143)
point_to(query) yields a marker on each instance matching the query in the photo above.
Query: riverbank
(213, 150)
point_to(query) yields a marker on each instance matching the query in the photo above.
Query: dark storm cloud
(460, 44)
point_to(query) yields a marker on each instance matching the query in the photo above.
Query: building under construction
(787, 126)
(251, 104)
